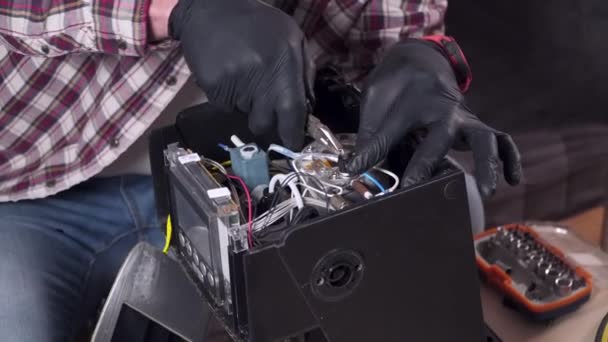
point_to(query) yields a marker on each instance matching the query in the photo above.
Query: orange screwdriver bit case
(535, 277)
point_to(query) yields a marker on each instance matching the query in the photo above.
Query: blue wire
(224, 147)
(375, 181)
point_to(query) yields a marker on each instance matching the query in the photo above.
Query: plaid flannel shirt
(79, 83)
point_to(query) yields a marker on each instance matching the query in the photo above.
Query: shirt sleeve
(54, 28)
(382, 23)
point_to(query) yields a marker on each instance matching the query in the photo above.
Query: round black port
(340, 275)
(249, 149)
(337, 275)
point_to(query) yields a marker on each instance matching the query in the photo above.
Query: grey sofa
(541, 73)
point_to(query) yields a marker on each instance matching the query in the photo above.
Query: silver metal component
(528, 257)
(322, 162)
(542, 267)
(512, 242)
(502, 233)
(518, 244)
(195, 259)
(182, 239)
(203, 268)
(318, 131)
(564, 271)
(564, 285)
(338, 202)
(523, 249)
(533, 260)
(552, 275)
(506, 239)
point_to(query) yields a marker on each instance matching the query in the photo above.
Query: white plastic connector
(237, 141)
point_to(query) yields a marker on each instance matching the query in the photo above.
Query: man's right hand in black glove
(250, 57)
(414, 89)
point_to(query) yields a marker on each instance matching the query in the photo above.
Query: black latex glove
(250, 57)
(414, 88)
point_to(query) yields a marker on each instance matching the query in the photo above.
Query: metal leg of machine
(152, 300)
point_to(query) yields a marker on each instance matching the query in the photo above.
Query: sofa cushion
(565, 172)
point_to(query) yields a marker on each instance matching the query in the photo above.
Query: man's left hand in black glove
(415, 88)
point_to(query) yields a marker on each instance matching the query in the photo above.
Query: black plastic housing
(396, 268)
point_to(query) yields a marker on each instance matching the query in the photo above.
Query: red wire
(250, 214)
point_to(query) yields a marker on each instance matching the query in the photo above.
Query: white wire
(281, 210)
(340, 189)
(279, 177)
(313, 189)
(393, 176)
(305, 192)
(295, 192)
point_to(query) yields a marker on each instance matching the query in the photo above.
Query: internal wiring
(295, 192)
(275, 198)
(322, 188)
(280, 211)
(224, 172)
(235, 195)
(375, 182)
(293, 195)
(393, 176)
(249, 209)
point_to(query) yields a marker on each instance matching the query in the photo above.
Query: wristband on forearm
(452, 51)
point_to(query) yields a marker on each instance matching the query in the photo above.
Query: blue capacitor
(251, 164)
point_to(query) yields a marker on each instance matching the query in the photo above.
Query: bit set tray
(535, 277)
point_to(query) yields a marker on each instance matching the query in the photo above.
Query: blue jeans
(59, 255)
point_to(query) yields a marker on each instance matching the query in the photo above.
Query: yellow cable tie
(168, 233)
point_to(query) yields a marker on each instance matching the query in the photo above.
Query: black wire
(306, 213)
(264, 231)
(273, 202)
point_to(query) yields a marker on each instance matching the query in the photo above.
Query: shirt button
(45, 49)
(115, 142)
(171, 80)
(51, 183)
(122, 44)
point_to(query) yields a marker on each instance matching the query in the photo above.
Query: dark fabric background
(536, 63)
(541, 73)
